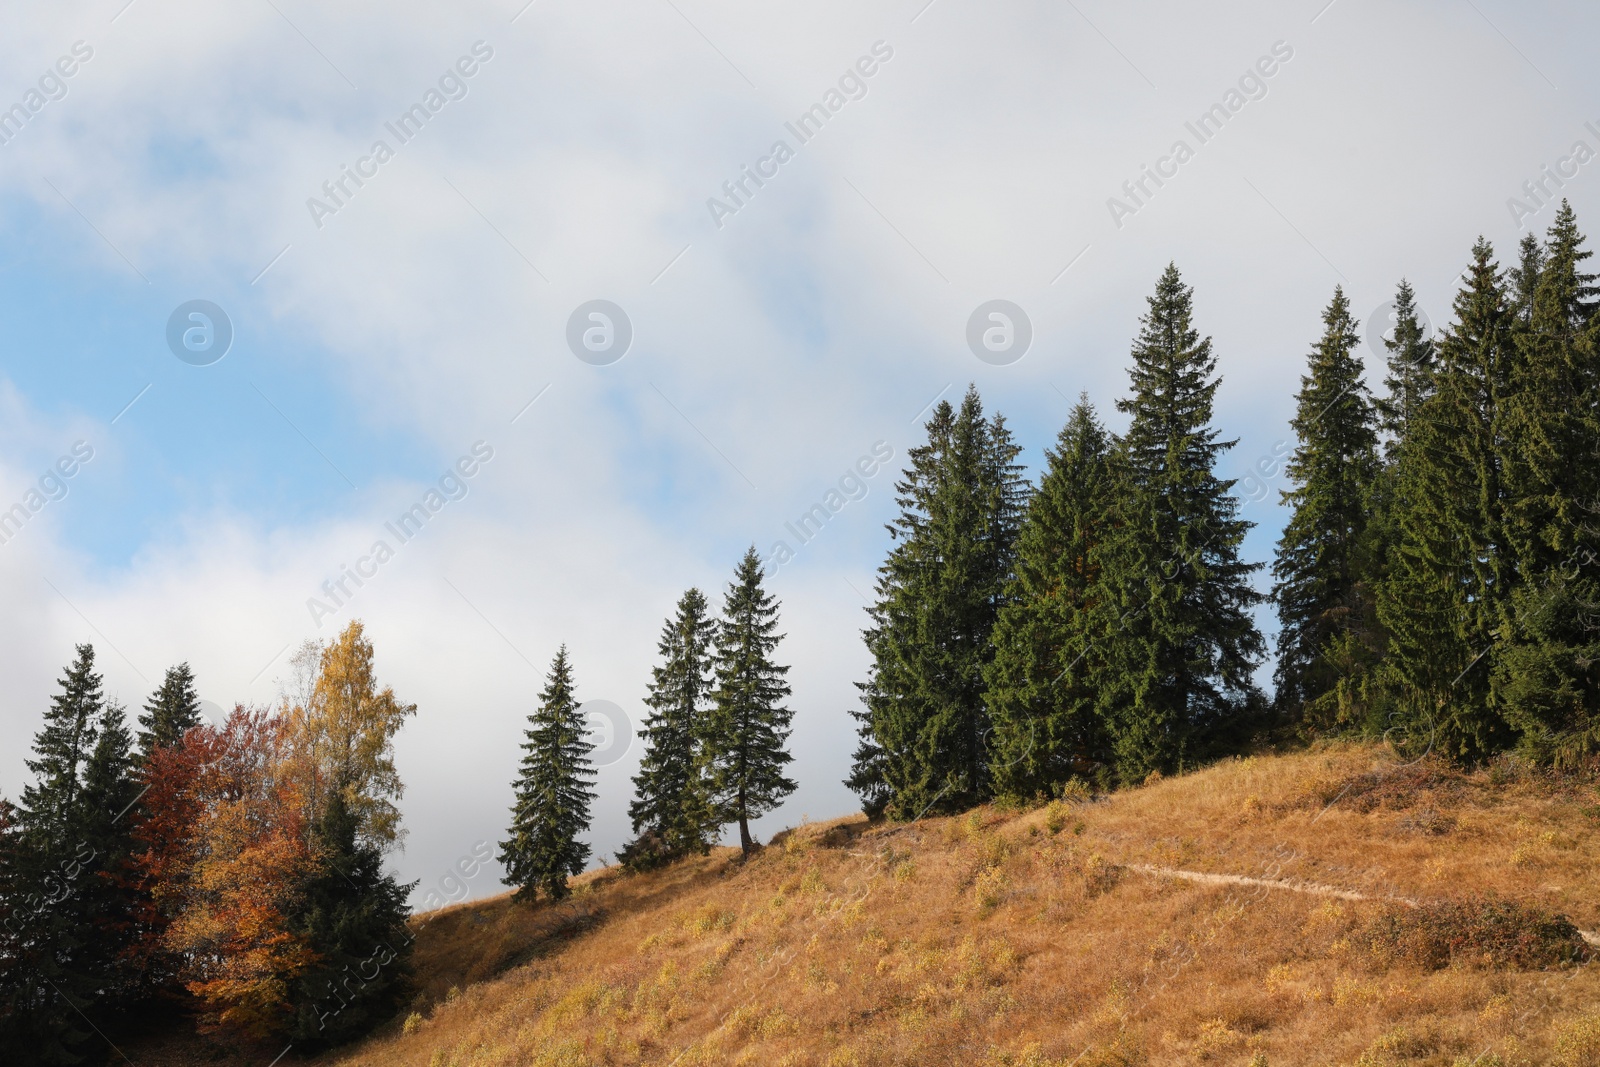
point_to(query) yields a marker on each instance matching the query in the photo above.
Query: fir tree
(1547, 675)
(1411, 363)
(750, 724)
(553, 793)
(1175, 643)
(353, 916)
(1039, 695)
(107, 903)
(1449, 572)
(1323, 568)
(173, 709)
(671, 811)
(924, 739)
(58, 863)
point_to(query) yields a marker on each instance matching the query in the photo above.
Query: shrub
(1578, 1043)
(1479, 931)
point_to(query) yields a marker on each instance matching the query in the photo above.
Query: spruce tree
(173, 709)
(1175, 645)
(57, 864)
(353, 917)
(750, 724)
(924, 736)
(1547, 674)
(671, 811)
(1411, 363)
(1324, 564)
(108, 901)
(1039, 694)
(1449, 572)
(553, 793)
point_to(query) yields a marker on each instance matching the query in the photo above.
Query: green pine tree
(108, 902)
(1175, 644)
(925, 728)
(1323, 570)
(353, 916)
(1547, 674)
(1039, 693)
(173, 709)
(553, 793)
(58, 864)
(750, 724)
(1449, 571)
(671, 812)
(1411, 363)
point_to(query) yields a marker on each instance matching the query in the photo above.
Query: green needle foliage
(671, 811)
(1175, 645)
(750, 724)
(1324, 567)
(925, 726)
(1040, 692)
(553, 794)
(173, 709)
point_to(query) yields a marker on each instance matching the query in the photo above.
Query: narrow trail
(1289, 885)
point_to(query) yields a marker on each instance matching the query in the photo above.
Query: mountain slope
(1386, 914)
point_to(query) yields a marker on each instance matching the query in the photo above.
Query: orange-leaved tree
(232, 889)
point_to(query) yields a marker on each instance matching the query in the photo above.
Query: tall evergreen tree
(750, 724)
(553, 793)
(1175, 642)
(57, 863)
(1411, 363)
(1547, 676)
(353, 915)
(1040, 696)
(671, 812)
(108, 900)
(924, 734)
(172, 709)
(1324, 564)
(1449, 572)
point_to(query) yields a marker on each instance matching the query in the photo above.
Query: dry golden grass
(1027, 939)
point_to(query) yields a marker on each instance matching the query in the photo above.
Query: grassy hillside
(1330, 907)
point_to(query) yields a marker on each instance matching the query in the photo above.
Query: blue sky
(769, 353)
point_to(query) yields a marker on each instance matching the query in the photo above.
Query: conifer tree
(354, 917)
(671, 812)
(57, 862)
(107, 903)
(1547, 676)
(173, 709)
(924, 738)
(1449, 572)
(750, 724)
(1175, 643)
(1039, 694)
(1411, 363)
(1324, 564)
(553, 793)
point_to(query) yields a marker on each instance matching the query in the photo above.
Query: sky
(399, 217)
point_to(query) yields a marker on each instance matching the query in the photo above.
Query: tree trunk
(745, 843)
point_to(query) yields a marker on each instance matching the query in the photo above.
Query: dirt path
(1287, 884)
